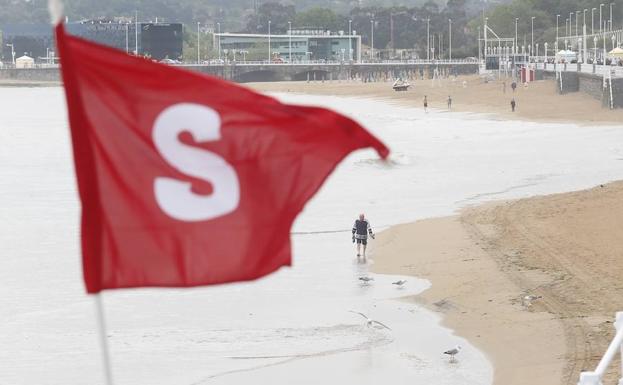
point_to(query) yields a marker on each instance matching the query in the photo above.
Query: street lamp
(532, 44)
(577, 14)
(218, 26)
(372, 40)
(516, 20)
(600, 22)
(595, 48)
(350, 39)
(428, 39)
(611, 4)
(580, 49)
(136, 33)
(593, 20)
(127, 44)
(566, 27)
(269, 53)
(290, 41)
(12, 52)
(557, 17)
(450, 39)
(198, 46)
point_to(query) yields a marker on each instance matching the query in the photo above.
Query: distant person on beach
(425, 104)
(361, 230)
(449, 102)
(514, 86)
(513, 104)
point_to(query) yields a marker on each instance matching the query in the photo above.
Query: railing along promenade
(220, 63)
(595, 377)
(598, 69)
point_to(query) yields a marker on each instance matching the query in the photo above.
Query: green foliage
(407, 22)
(279, 15)
(322, 18)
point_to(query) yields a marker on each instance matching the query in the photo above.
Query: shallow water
(293, 326)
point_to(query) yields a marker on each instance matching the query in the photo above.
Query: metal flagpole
(55, 7)
(136, 33)
(103, 339)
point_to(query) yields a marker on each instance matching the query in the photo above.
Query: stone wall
(591, 85)
(243, 73)
(617, 94)
(570, 83)
(31, 74)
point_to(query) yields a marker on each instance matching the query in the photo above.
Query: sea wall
(587, 83)
(242, 72)
(30, 74)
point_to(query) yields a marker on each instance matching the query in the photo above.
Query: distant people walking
(514, 86)
(425, 104)
(449, 102)
(513, 104)
(361, 230)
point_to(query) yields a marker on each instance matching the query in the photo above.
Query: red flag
(186, 179)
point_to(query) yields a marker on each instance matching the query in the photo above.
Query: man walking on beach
(425, 104)
(361, 230)
(449, 102)
(513, 104)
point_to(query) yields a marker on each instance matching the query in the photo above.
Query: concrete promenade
(263, 71)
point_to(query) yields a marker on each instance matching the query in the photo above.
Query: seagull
(527, 300)
(366, 279)
(371, 322)
(400, 282)
(453, 352)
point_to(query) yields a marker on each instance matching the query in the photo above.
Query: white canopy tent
(24, 62)
(566, 56)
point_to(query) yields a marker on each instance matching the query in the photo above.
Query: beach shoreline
(29, 83)
(518, 303)
(533, 283)
(477, 96)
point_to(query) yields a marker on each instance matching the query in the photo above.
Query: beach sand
(485, 263)
(563, 249)
(538, 101)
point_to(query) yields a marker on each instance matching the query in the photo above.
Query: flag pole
(101, 323)
(56, 9)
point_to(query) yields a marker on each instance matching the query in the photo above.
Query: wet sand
(563, 250)
(538, 101)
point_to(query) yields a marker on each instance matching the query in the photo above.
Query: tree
(322, 18)
(276, 13)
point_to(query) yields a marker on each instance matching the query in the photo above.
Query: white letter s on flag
(175, 197)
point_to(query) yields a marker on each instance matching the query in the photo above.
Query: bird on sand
(370, 322)
(366, 279)
(453, 352)
(399, 283)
